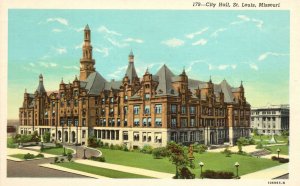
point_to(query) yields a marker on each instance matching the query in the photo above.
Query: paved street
(32, 169)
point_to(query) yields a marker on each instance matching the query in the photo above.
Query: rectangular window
(125, 110)
(174, 136)
(173, 122)
(192, 110)
(183, 122)
(119, 122)
(125, 135)
(136, 136)
(69, 121)
(83, 134)
(173, 109)
(83, 122)
(125, 122)
(149, 122)
(136, 122)
(158, 109)
(192, 136)
(147, 109)
(183, 110)
(136, 109)
(193, 122)
(144, 136)
(145, 122)
(76, 122)
(158, 122)
(147, 96)
(157, 137)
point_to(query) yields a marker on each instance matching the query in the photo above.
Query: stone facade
(154, 109)
(271, 119)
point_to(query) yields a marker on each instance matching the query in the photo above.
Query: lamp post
(278, 151)
(237, 169)
(76, 146)
(201, 165)
(84, 149)
(42, 143)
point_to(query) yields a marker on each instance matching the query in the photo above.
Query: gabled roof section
(226, 88)
(131, 72)
(113, 85)
(95, 83)
(165, 80)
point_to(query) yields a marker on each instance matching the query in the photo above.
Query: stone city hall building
(153, 109)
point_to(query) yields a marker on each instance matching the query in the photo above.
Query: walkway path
(269, 173)
(79, 151)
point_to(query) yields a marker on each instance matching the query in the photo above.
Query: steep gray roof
(131, 72)
(94, 83)
(165, 81)
(113, 85)
(41, 88)
(226, 88)
(194, 84)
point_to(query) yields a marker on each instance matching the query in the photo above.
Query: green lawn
(284, 149)
(99, 171)
(20, 156)
(56, 150)
(266, 138)
(213, 161)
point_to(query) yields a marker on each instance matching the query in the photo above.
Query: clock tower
(86, 62)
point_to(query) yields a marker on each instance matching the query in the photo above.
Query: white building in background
(272, 119)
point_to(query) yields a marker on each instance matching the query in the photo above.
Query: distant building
(271, 119)
(149, 110)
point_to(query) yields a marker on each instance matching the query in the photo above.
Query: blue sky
(252, 46)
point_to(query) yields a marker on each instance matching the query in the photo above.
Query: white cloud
(61, 50)
(117, 43)
(47, 65)
(258, 23)
(216, 33)
(71, 67)
(32, 64)
(200, 42)
(253, 66)
(221, 67)
(133, 40)
(105, 30)
(102, 50)
(173, 42)
(59, 20)
(56, 30)
(267, 54)
(119, 73)
(192, 63)
(79, 46)
(192, 35)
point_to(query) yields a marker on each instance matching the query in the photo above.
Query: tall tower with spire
(86, 62)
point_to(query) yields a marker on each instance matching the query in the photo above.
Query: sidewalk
(269, 173)
(24, 151)
(128, 169)
(56, 167)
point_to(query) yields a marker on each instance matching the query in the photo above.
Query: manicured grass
(284, 149)
(99, 171)
(19, 156)
(266, 138)
(212, 161)
(56, 150)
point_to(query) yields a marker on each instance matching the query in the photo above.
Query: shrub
(202, 148)
(185, 173)
(40, 155)
(147, 149)
(227, 152)
(117, 147)
(62, 160)
(56, 160)
(69, 156)
(11, 143)
(111, 146)
(28, 156)
(58, 145)
(101, 158)
(259, 145)
(106, 145)
(217, 174)
(92, 141)
(46, 136)
(125, 148)
(280, 160)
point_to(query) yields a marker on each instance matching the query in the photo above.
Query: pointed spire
(76, 79)
(210, 79)
(241, 84)
(131, 57)
(25, 90)
(147, 71)
(41, 88)
(62, 81)
(41, 77)
(87, 27)
(183, 71)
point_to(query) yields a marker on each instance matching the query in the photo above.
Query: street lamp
(42, 143)
(237, 169)
(76, 145)
(278, 151)
(201, 165)
(84, 149)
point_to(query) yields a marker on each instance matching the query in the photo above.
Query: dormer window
(147, 96)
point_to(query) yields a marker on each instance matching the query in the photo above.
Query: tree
(46, 136)
(35, 137)
(177, 156)
(255, 131)
(69, 156)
